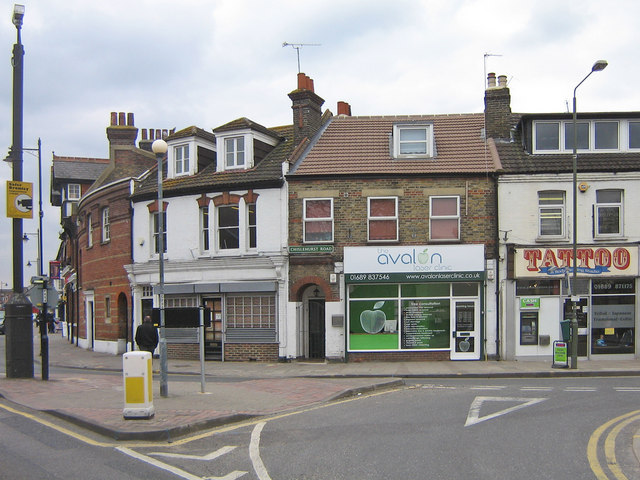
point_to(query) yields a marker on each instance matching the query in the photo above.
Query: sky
(174, 64)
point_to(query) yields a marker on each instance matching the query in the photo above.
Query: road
(453, 429)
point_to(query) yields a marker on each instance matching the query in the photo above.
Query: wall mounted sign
(297, 249)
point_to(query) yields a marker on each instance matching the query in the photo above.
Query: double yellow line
(609, 446)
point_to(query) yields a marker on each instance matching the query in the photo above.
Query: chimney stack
(497, 107)
(122, 131)
(307, 109)
(344, 108)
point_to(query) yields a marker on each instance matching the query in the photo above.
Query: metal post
(19, 327)
(201, 336)
(159, 147)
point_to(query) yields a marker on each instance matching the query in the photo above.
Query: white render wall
(518, 224)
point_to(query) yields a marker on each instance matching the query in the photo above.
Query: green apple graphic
(372, 321)
(423, 257)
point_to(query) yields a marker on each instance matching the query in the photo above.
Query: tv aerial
(297, 47)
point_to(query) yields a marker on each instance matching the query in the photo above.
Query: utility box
(137, 371)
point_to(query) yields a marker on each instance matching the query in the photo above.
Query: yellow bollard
(138, 385)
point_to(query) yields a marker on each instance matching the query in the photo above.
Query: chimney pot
(144, 134)
(491, 80)
(502, 81)
(302, 80)
(114, 119)
(130, 122)
(344, 108)
(121, 119)
(158, 134)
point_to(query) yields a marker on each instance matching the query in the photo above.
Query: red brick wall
(183, 351)
(243, 352)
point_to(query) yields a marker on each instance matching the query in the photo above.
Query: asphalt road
(453, 429)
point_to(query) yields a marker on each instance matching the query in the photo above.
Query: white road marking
(489, 387)
(474, 417)
(175, 470)
(209, 456)
(627, 389)
(580, 389)
(536, 389)
(254, 452)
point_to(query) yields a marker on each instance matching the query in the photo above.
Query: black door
(316, 328)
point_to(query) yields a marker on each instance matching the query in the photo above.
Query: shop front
(414, 302)
(606, 299)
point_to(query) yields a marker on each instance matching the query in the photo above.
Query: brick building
(392, 239)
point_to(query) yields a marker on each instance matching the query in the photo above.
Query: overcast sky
(207, 62)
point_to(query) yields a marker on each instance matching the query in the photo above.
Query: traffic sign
(19, 199)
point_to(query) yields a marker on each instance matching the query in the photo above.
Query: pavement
(90, 392)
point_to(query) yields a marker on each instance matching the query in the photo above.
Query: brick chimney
(121, 132)
(497, 107)
(150, 135)
(344, 108)
(307, 109)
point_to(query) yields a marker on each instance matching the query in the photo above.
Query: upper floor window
(107, 307)
(382, 224)
(608, 213)
(413, 140)
(317, 222)
(551, 213)
(156, 232)
(181, 159)
(89, 231)
(106, 227)
(228, 227)
(252, 225)
(444, 218)
(592, 136)
(204, 229)
(234, 152)
(73, 191)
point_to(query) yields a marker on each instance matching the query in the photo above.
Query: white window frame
(234, 152)
(433, 217)
(398, 142)
(106, 225)
(181, 162)
(308, 220)
(251, 226)
(596, 217)
(628, 134)
(89, 231)
(565, 145)
(205, 229)
(72, 194)
(370, 219)
(218, 228)
(544, 210)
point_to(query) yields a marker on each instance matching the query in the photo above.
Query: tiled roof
(242, 123)
(192, 132)
(78, 168)
(267, 172)
(363, 145)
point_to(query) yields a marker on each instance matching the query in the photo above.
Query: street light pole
(597, 67)
(19, 327)
(159, 147)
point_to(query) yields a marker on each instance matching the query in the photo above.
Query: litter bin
(565, 326)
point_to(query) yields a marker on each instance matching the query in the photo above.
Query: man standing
(147, 335)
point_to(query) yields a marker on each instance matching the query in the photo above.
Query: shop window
(426, 290)
(464, 289)
(382, 219)
(444, 218)
(551, 213)
(256, 311)
(608, 213)
(318, 220)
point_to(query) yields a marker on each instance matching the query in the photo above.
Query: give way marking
(474, 417)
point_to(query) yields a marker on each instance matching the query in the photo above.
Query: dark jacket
(147, 337)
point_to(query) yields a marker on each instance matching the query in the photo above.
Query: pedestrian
(147, 335)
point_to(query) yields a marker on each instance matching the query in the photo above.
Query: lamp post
(159, 147)
(19, 327)
(597, 67)
(25, 238)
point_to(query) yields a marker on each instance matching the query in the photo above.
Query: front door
(316, 328)
(214, 333)
(465, 330)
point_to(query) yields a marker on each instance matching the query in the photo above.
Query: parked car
(1, 322)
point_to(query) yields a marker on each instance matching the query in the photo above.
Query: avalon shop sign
(597, 260)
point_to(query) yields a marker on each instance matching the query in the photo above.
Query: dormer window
(234, 152)
(615, 135)
(413, 141)
(181, 159)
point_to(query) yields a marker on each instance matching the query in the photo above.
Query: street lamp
(19, 328)
(597, 67)
(159, 147)
(25, 238)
